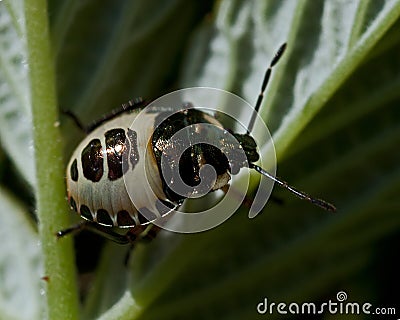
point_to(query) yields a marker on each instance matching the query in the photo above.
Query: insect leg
(99, 229)
(125, 107)
(71, 230)
(149, 233)
(74, 118)
(145, 234)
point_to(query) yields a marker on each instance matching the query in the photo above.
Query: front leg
(130, 237)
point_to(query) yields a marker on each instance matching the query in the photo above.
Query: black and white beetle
(95, 172)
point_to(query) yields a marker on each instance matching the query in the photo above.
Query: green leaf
(130, 49)
(20, 263)
(61, 288)
(332, 108)
(15, 111)
(336, 128)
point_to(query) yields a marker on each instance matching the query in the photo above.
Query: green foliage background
(333, 110)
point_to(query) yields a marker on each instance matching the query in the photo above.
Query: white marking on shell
(112, 196)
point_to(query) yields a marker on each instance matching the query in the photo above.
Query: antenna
(267, 75)
(302, 195)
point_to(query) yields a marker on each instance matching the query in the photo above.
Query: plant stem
(61, 293)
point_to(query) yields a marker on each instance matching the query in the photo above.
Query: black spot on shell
(134, 153)
(74, 170)
(116, 152)
(104, 218)
(124, 219)
(85, 212)
(72, 204)
(142, 219)
(92, 161)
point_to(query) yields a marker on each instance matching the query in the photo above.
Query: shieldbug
(94, 174)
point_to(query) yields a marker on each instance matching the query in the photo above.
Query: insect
(95, 172)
